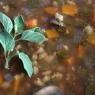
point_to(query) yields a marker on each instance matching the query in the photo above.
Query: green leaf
(6, 22)
(19, 24)
(26, 63)
(36, 37)
(7, 41)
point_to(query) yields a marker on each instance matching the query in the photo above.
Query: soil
(73, 72)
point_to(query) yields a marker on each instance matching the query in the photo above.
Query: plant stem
(7, 61)
(6, 64)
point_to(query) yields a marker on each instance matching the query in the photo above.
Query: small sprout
(9, 38)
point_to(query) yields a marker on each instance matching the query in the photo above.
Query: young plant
(9, 35)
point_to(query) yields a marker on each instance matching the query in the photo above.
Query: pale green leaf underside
(26, 63)
(6, 22)
(32, 36)
(7, 41)
(19, 24)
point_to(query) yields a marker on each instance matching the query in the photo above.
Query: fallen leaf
(91, 39)
(70, 10)
(51, 34)
(51, 10)
(80, 51)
